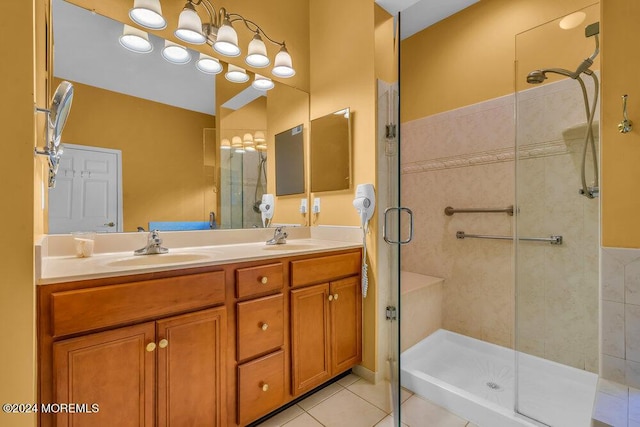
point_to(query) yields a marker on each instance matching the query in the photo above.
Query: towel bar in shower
(554, 240)
(450, 211)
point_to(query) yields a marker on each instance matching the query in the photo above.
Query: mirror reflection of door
(88, 191)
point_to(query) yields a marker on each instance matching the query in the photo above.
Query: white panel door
(87, 196)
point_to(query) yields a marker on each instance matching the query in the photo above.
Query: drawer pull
(330, 297)
(163, 343)
(335, 297)
(265, 387)
(264, 280)
(264, 326)
(151, 347)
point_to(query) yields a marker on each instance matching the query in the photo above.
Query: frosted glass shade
(190, 26)
(236, 74)
(247, 139)
(208, 65)
(262, 83)
(225, 144)
(227, 40)
(282, 66)
(237, 145)
(257, 53)
(135, 40)
(148, 13)
(175, 53)
(258, 137)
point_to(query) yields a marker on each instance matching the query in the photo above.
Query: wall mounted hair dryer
(365, 204)
(266, 209)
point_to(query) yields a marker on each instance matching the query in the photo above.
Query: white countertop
(63, 267)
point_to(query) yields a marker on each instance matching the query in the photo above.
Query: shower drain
(493, 386)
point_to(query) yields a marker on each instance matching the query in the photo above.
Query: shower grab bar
(449, 211)
(554, 240)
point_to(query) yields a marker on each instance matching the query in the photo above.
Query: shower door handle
(400, 209)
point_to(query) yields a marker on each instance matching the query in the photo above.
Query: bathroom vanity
(213, 342)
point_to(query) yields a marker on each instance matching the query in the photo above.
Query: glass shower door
(556, 294)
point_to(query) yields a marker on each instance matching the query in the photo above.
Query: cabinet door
(310, 337)
(191, 369)
(114, 370)
(346, 324)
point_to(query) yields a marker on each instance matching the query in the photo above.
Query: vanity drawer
(94, 308)
(258, 280)
(324, 269)
(260, 386)
(260, 326)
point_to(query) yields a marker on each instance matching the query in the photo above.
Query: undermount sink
(160, 259)
(290, 247)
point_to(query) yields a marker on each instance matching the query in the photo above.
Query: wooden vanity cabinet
(326, 321)
(165, 372)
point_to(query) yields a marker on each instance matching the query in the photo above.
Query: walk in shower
(517, 339)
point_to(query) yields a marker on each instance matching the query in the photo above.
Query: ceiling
(416, 15)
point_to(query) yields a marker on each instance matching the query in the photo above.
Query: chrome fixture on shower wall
(625, 125)
(539, 76)
(56, 118)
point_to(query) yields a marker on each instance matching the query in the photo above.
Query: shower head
(536, 77)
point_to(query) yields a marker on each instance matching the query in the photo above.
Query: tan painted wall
(620, 152)
(468, 57)
(282, 20)
(175, 189)
(17, 305)
(342, 75)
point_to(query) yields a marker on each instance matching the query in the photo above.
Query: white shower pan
(477, 381)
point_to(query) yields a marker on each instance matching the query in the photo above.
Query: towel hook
(625, 125)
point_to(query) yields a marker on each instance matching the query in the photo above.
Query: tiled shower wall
(621, 315)
(464, 158)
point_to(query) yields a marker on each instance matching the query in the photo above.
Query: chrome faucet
(279, 237)
(154, 245)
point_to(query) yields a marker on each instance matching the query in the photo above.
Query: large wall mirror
(153, 127)
(331, 152)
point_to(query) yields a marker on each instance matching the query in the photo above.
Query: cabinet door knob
(163, 343)
(330, 297)
(264, 280)
(264, 326)
(151, 346)
(265, 387)
(335, 296)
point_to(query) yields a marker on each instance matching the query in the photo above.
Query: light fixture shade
(227, 40)
(262, 83)
(148, 13)
(282, 66)
(258, 137)
(236, 74)
(225, 144)
(247, 139)
(257, 53)
(135, 40)
(208, 65)
(237, 145)
(190, 26)
(261, 147)
(175, 53)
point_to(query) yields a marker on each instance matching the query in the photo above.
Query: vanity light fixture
(148, 13)
(262, 83)
(135, 40)
(225, 144)
(218, 32)
(236, 144)
(247, 140)
(258, 137)
(208, 65)
(175, 53)
(236, 74)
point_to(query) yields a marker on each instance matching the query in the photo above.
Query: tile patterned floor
(355, 402)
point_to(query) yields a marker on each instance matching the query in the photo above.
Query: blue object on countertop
(179, 225)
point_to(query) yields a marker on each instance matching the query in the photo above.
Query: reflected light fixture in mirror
(236, 144)
(247, 141)
(148, 13)
(262, 83)
(236, 74)
(218, 32)
(225, 144)
(175, 53)
(208, 65)
(135, 40)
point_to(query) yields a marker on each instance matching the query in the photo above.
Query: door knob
(264, 280)
(330, 297)
(151, 346)
(335, 296)
(265, 387)
(163, 343)
(264, 326)
(110, 224)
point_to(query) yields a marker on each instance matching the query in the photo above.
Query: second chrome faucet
(154, 245)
